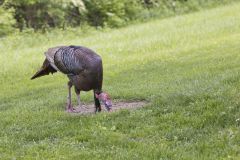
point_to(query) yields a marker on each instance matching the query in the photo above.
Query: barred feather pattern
(67, 60)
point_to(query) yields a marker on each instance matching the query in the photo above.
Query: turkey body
(82, 66)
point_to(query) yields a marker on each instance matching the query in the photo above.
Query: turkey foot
(70, 109)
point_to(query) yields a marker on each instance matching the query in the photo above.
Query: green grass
(187, 66)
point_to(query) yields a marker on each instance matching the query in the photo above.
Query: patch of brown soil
(90, 108)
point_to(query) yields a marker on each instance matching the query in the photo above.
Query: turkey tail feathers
(44, 70)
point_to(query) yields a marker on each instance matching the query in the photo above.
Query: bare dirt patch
(90, 108)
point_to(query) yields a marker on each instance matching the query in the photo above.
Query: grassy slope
(187, 66)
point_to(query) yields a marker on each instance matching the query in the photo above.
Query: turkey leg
(78, 109)
(69, 107)
(97, 103)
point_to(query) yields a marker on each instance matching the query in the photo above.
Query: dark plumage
(45, 70)
(83, 68)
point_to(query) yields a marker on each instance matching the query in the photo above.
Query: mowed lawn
(187, 67)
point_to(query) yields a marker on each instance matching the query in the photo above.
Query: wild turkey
(83, 68)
